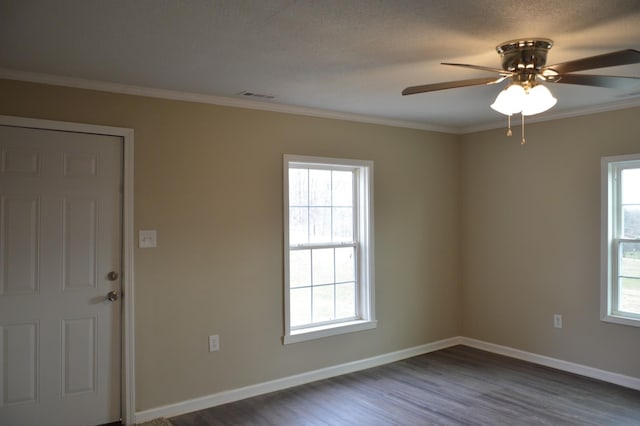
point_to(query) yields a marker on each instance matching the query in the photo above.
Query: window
(621, 239)
(328, 254)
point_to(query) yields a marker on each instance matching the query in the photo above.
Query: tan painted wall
(531, 233)
(209, 179)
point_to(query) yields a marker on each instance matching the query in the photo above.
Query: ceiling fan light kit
(525, 99)
(524, 95)
(524, 66)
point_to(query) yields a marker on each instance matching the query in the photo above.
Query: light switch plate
(214, 343)
(147, 239)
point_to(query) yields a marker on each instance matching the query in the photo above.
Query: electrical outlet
(557, 321)
(214, 343)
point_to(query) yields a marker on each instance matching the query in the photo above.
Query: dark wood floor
(454, 386)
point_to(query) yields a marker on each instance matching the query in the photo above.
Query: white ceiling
(344, 56)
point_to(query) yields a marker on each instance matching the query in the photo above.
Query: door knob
(112, 296)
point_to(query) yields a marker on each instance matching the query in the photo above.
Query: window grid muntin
(355, 196)
(619, 276)
(311, 286)
(621, 205)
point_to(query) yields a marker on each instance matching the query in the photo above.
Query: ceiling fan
(524, 67)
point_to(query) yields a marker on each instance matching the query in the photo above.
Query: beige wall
(531, 239)
(209, 179)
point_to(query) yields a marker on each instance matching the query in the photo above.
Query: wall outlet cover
(557, 321)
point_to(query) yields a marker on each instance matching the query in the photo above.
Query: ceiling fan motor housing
(520, 56)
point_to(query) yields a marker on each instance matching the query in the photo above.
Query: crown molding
(103, 86)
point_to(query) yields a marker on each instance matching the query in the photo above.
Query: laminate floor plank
(455, 386)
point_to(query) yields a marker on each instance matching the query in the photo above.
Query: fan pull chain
(523, 141)
(509, 132)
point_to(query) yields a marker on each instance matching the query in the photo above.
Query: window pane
(300, 268)
(319, 187)
(342, 185)
(323, 303)
(631, 221)
(300, 305)
(345, 300)
(630, 295)
(322, 261)
(631, 186)
(320, 224)
(298, 225)
(342, 224)
(630, 260)
(298, 187)
(345, 264)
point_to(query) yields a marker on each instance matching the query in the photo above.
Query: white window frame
(611, 168)
(363, 230)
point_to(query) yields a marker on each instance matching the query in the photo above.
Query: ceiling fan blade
(613, 59)
(609, 81)
(451, 85)
(479, 67)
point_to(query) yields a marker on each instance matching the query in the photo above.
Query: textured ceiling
(347, 56)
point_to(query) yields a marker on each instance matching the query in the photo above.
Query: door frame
(127, 393)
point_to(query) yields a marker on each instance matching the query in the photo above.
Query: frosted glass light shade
(515, 99)
(510, 100)
(539, 99)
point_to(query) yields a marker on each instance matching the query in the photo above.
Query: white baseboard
(287, 382)
(583, 370)
(350, 367)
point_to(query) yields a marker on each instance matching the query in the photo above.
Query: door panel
(61, 233)
(19, 354)
(79, 355)
(79, 243)
(19, 218)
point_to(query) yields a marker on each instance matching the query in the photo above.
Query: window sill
(617, 319)
(328, 330)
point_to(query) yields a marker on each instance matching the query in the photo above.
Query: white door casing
(61, 212)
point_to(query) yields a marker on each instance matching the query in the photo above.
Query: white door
(60, 256)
